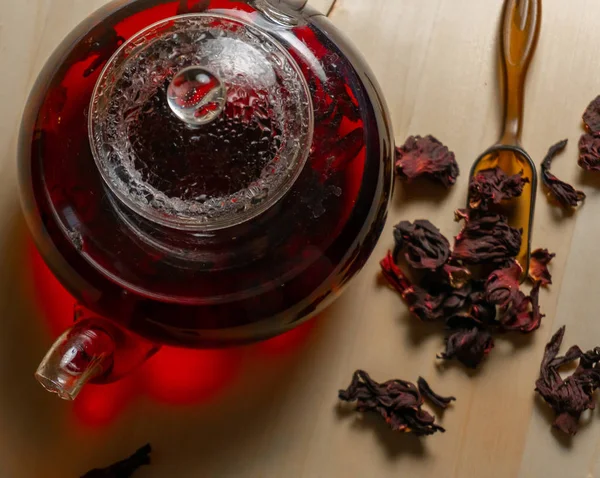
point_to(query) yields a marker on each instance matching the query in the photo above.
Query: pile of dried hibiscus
(473, 288)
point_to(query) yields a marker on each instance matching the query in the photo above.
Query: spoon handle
(520, 29)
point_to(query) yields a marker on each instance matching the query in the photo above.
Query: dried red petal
(456, 299)
(399, 402)
(469, 346)
(429, 304)
(340, 93)
(341, 152)
(393, 274)
(516, 311)
(591, 116)
(431, 307)
(492, 186)
(457, 276)
(538, 266)
(426, 247)
(124, 468)
(426, 157)
(461, 215)
(429, 394)
(589, 152)
(519, 317)
(571, 396)
(486, 239)
(565, 194)
(481, 310)
(502, 286)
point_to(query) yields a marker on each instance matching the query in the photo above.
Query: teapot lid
(200, 122)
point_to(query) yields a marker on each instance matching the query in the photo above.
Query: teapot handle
(93, 350)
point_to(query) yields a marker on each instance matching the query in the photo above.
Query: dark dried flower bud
(468, 345)
(486, 239)
(492, 186)
(426, 157)
(589, 152)
(428, 304)
(591, 116)
(502, 287)
(426, 247)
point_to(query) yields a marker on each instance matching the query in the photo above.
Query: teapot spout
(81, 354)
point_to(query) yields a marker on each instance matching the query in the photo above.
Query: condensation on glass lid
(200, 122)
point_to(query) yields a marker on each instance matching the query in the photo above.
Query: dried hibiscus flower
(480, 309)
(565, 194)
(426, 247)
(426, 157)
(589, 152)
(399, 402)
(472, 308)
(524, 315)
(486, 239)
(467, 342)
(492, 186)
(124, 468)
(516, 311)
(571, 396)
(429, 304)
(431, 307)
(538, 266)
(591, 116)
(502, 286)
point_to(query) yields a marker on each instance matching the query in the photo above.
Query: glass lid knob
(196, 96)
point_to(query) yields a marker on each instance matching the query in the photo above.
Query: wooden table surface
(278, 416)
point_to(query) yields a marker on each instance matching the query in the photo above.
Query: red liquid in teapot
(247, 282)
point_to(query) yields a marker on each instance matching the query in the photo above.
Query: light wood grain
(322, 5)
(435, 61)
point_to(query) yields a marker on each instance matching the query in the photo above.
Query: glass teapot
(199, 173)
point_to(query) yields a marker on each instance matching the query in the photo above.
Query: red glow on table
(174, 376)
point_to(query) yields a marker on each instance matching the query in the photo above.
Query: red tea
(245, 282)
